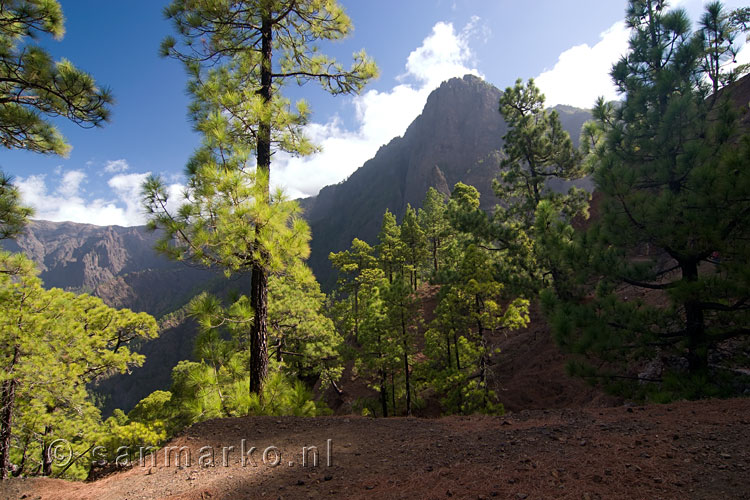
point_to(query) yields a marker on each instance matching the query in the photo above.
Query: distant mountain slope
(451, 141)
(119, 265)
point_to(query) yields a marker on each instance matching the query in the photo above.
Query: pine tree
(672, 170)
(52, 344)
(352, 266)
(304, 340)
(413, 245)
(718, 32)
(34, 88)
(13, 215)
(469, 310)
(536, 150)
(389, 246)
(434, 222)
(239, 54)
(378, 350)
(402, 318)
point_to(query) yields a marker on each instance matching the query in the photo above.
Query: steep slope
(119, 265)
(452, 140)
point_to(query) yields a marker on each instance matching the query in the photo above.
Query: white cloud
(67, 202)
(380, 116)
(581, 73)
(116, 166)
(71, 183)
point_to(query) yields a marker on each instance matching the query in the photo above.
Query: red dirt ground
(683, 450)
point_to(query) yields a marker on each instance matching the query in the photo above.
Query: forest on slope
(650, 298)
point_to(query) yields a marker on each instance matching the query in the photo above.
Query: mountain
(116, 263)
(452, 140)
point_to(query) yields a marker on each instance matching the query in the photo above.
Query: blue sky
(568, 46)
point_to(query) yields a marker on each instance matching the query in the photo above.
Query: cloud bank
(70, 200)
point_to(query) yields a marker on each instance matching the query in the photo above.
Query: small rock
(328, 478)
(521, 496)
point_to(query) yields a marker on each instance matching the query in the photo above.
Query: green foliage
(453, 364)
(670, 165)
(123, 438)
(204, 390)
(389, 246)
(54, 343)
(305, 349)
(536, 150)
(238, 55)
(437, 229)
(13, 215)
(470, 308)
(413, 245)
(304, 340)
(33, 86)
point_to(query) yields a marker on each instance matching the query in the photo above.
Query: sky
(568, 47)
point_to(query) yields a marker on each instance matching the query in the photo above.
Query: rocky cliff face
(452, 140)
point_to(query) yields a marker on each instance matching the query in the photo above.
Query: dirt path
(683, 450)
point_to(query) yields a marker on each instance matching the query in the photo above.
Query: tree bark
(406, 364)
(46, 455)
(259, 290)
(695, 325)
(259, 332)
(434, 254)
(7, 400)
(384, 392)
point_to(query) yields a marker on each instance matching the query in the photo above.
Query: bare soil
(682, 450)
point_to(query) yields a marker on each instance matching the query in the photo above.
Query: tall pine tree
(672, 169)
(239, 55)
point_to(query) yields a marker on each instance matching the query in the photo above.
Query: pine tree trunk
(7, 400)
(434, 254)
(407, 377)
(448, 348)
(695, 325)
(259, 332)
(384, 392)
(46, 455)
(259, 291)
(356, 313)
(458, 358)
(483, 361)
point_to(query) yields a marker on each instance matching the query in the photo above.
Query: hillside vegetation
(473, 265)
